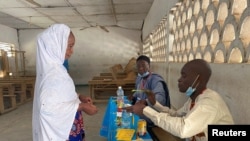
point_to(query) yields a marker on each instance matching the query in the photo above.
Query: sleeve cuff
(160, 108)
(149, 112)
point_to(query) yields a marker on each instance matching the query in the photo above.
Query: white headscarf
(55, 101)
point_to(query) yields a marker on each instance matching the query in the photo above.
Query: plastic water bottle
(120, 98)
(126, 119)
(120, 102)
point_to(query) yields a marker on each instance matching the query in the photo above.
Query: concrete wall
(158, 10)
(231, 81)
(95, 50)
(9, 35)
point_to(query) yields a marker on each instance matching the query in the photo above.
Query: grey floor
(16, 125)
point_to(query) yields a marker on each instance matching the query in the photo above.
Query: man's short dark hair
(143, 57)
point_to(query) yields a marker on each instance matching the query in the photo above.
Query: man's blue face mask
(144, 74)
(190, 89)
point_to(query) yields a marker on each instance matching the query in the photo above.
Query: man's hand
(138, 108)
(150, 96)
(128, 109)
(143, 102)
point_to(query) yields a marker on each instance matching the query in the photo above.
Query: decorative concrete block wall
(215, 30)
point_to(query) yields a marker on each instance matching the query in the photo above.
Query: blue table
(109, 127)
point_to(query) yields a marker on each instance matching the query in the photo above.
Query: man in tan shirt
(204, 106)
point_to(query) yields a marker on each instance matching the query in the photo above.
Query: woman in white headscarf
(57, 107)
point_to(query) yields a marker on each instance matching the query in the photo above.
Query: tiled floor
(16, 125)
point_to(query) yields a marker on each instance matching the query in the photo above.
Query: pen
(133, 120)
(137, 90)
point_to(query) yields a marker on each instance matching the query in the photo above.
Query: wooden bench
(103, 86)
(23, 88)
(101, 90)
(106, 74)
(104, 78)
(7, 98)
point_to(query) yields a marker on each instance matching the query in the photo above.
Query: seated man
(152, 81)
(204, 106)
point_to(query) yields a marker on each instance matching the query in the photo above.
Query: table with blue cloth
(109, 126)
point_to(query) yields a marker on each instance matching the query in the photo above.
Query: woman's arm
(87, 105)
(88, 108)
(85, 99)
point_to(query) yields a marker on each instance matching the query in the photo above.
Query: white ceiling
(23, 14)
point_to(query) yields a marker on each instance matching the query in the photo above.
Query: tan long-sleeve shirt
(209, 108)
